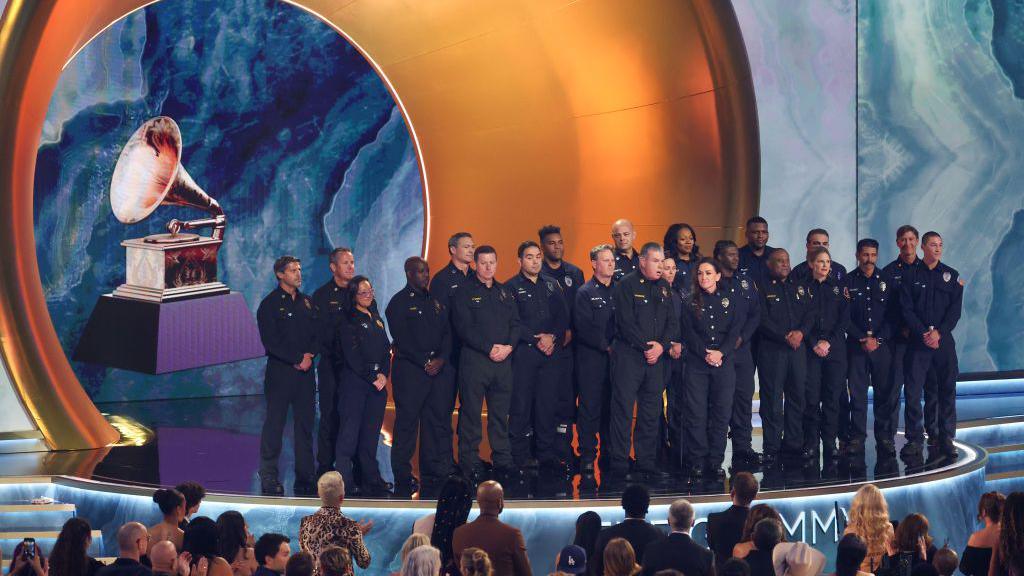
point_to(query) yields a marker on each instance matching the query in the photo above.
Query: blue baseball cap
(572, 560)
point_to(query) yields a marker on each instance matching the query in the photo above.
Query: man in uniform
(422, 381)
(817, 238)
(744, 291)
(487, 321)
(786, 321)
(646, 327)
(754, 256)
(869, 336)
(594, 317)
(331, 301)
(536, 367)
(570, 278)
(626, 257)
(932, 300)
(287, 321)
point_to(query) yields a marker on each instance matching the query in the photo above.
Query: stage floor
(216, 442)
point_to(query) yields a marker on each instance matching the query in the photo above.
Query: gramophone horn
(149, 173)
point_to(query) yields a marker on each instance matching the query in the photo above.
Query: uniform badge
(308, 305)
(946, 276)
(551, 287)
(846, 292)
(800, 290)
(364, 325)
(437, 306)
(725, 302)
(744, 284)
(380, 324)
(664, 292)
(835, 290)
(568, 280)
(881, 285)
(501, 295)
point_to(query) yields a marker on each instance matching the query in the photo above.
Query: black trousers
(826, 381)
(635, 382)
(671, 425)
(783, 376)
(872, 369)
(285, 387)
(567, 398)
(741, 429)
(361, 412)
(327, 430)
(421, 409)
(594, 376)
(707, 407)
(536, 383)
(480, 379)
(944, 366)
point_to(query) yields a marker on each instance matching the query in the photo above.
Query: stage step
(992, 433)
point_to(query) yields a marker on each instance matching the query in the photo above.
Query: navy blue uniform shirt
(485, 316)
(753, 266)
(785, 306)
(932, 298)
(542, 308)
(830, 311)
(625, 264)
(742, 290)
(644, 312)
(870, 302)
(289, 327)
(420, 326)
(365, 346)
(594, 315)
(712, 322)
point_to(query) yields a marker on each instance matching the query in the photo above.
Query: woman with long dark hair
(588, 526)
(710, 325)
(1011, 535)
(70, 553)
(201, 541)
(453, 507)
(362, 381)
(680, 244)
(235, 543)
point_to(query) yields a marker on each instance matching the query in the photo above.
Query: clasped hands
(306, 364)
(931, 339)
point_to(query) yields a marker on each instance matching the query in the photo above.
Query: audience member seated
(946, 561)
(588, 527)
(912, 544)
(422, 561)
(453, 505)
(746, 543)
(766, 536)
(725, 529)
(272, 552)
(300, 564)
(172, 506)
(635, 529)
(329, 527)
(475, 562)
(504, 544)
(1016, 565)
(620, 559)
(734, 567)
(235, 543)
(70, 553)
(132, 542)
(869, 520)
(194, 494)
(850, 554)
(679, 551)
(415, 540)
(1011, 536)
(334, 561)
(797, 559)
(572, 559)
(978, 553)
(25, 562)
(201, 543)
(164, 558)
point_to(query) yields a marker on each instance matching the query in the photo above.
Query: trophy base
(162, 337)
(148, 294)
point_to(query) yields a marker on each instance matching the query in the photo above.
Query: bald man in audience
(164, 558)
(132, 543)
(503, 543)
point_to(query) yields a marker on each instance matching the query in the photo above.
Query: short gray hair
(331, 487)
(596, 251)
(422, 561)
(680, 515)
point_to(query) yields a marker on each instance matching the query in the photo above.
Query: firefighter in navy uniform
(680, 244)
(448, 279)
(626, 257)
(646, 326)
(743, 291)
(802, 273)
(826, 356)
(869, 345)
(594, 317)
(536, 365)
(786, 322)
(711, 325)
(754, 255)
(422, 381)
(288, 324)
(932, 300)
(670, 430)
(486, 318)
(570, 278)
(362, 383)
(330, 301)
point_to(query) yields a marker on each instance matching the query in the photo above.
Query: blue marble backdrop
(283, 122)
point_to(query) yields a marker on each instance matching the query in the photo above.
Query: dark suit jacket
(639, 533)
(503, 544)
(679, 552)
(125, 567)
(725, 529)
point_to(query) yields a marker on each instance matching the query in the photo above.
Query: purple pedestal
(156, 338)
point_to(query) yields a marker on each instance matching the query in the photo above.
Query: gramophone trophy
(171, 313)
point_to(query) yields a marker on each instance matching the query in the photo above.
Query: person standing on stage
(594, 317)
(754, 255)
(626, 257)
(330, 301)
(869, 341)
(487, 320)
(826, 356)
(669, 430)
(570, 278)
(536, 364)
(932, 300)
(288, 324)
(786, 323)
(422, 381)
(362, 382)
(646, 327)
(680, 245)
(816, 238)
(711, 325)
(447, 281)
(742, 291)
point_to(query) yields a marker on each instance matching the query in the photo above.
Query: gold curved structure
(525, 112)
